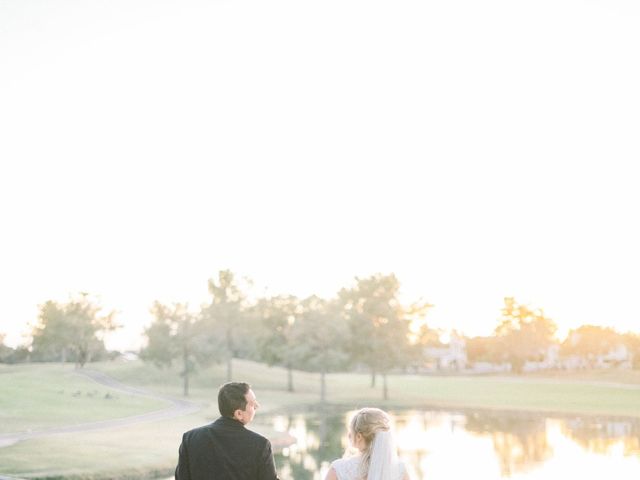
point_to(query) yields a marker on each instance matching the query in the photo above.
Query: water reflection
(319, 440)
(439, 445)
(520, 440)
(603, 436)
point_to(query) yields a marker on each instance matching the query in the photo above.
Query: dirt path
(177, 408)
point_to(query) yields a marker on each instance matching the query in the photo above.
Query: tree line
(73, 331)
(525, 334)
(363, 327)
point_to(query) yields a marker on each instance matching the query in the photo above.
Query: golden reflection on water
(520, 442)
(485, 445)
(605, 436)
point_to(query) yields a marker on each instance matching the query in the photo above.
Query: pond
(439, 445)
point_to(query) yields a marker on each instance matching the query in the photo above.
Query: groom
(225, 449)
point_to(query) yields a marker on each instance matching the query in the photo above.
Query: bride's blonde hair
(367, 422)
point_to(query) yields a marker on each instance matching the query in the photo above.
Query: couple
(226, 450)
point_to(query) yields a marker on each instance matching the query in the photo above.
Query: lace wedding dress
(383, 464)
(349, 469)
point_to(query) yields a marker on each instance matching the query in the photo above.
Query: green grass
(24, 390)
(144, 450)
(607, 392)
(29, 395)
(600, 376)
(37, 396)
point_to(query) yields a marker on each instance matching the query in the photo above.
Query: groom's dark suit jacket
(225, 450)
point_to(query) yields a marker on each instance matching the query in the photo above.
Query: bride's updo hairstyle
(368, 422)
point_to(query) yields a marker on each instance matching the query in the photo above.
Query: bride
(370, 433)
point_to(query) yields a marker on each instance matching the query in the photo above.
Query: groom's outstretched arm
(267, 466)
(182, 470)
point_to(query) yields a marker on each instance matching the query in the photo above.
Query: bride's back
(371, 434)
(350, 469)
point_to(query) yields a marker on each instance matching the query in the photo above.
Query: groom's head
(236, 400)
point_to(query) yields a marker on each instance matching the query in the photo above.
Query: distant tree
(76, 327)
(523, 334)
(421, 336)
(51, 334)
(224, 316)
(19, 354)
(484, 349)
(379, 327)
(87, 324)
(277, 343)
(320, 335)
(176, 334)
(590, 341)
(5, 351)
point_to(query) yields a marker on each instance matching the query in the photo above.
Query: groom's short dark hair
(231, 397)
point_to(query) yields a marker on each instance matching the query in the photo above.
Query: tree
(19, 354)
(379, 327)
(51, 334)
(5, 351)
(484, 349)
(175, 334)
(421, 336)
(75, 327)
(277, 344)
(590, 341)
(224, 315)
(319, 336)
(523, 334)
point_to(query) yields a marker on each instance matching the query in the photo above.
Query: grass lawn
(38, 396)
(30, 395)
(598, 392)
(146, 450)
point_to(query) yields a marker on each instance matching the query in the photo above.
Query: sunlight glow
(147, 145)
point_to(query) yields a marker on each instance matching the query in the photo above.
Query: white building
(617, 357)
(448, 357)
(551, 360)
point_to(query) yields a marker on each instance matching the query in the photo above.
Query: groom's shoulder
(259, 441)
(254, 437)
(225, 427)
(257, 436)
(198, 431)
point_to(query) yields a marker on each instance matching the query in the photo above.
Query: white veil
(383, 463)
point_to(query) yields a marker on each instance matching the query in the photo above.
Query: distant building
(452, 356)
(617, 357)
(550, 360)
(129, 356)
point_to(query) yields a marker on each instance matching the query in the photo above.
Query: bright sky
(478, 149)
